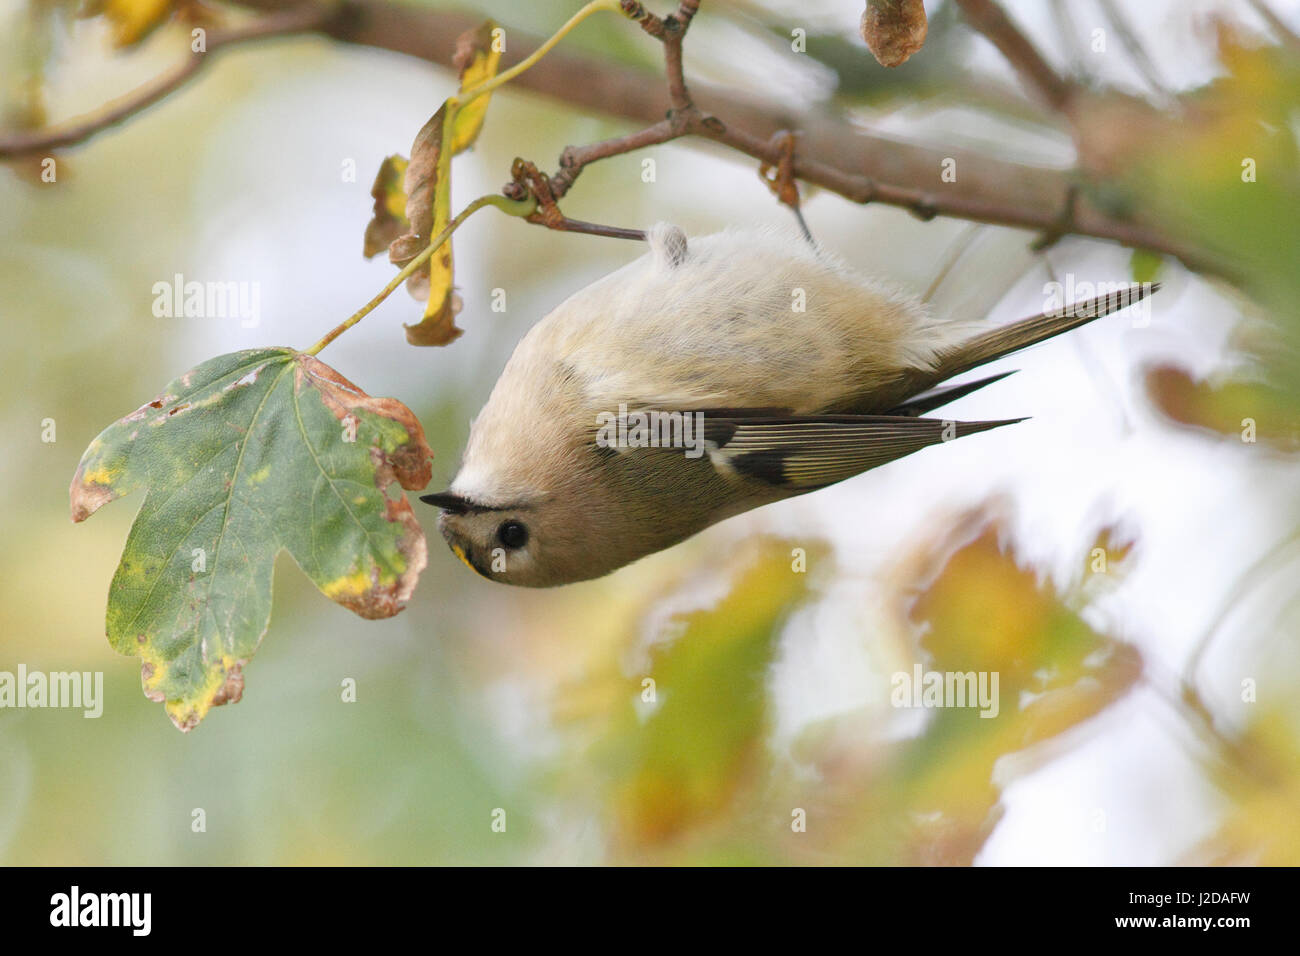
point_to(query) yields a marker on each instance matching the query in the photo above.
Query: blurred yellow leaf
(1263, 780)
(1248, 411)
(1033, 668)
(133, 20)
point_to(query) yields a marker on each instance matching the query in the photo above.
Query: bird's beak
(464, 559)
(447, 501)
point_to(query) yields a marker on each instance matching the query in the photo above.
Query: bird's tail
(916, 392)
(995, 343)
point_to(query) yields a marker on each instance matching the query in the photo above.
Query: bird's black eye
(512, 534)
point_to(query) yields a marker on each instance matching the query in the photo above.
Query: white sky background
(1092, 451)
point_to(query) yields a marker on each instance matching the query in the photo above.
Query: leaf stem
(488, 85)
(512, 207)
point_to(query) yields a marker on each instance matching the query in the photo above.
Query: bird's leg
(781, 179)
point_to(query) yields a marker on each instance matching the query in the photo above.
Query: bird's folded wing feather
(809, 452)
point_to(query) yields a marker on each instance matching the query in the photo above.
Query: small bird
(704, 379)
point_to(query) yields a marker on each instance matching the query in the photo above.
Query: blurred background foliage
(1126, 561)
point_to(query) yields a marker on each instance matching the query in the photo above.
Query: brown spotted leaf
(245, 456)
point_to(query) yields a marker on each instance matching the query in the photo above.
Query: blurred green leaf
(1145, 265)
(680, 763)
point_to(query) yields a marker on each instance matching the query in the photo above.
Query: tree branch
(860, 166)
(296, 20)
(832, 154)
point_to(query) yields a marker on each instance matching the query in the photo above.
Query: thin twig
(681, 120)
(1071, 216)
(988, 18)
(1284, 32)
(670, 31)
(1259, 571)
(503, 203)
(1069, 34)
(955, 251)
(302, 19)
(575, 158)
(530, 183)
(1136, 51)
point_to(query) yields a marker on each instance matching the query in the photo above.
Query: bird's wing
(803, 453)
(943, 395)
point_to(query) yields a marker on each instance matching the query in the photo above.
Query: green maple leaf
(244, 456)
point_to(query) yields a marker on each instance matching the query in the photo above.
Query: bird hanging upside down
(700, 381)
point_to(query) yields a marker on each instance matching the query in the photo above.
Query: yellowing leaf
(1032, 669)
(984, 615)
(1262, 827)
(438, 327)
(133, 20)
(428, 211)
(1248, 411)
(389, 219)
(478, 55)
(245, 456)
(408, 216)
